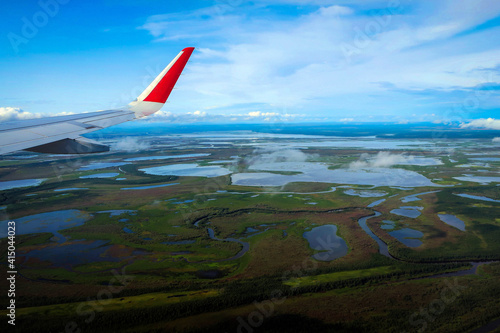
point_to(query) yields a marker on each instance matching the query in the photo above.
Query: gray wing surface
(60, 135)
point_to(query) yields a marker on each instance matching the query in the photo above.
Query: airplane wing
(61, 135)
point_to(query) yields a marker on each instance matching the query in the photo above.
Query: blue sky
(275, 60)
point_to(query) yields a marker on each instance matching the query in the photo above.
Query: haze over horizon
(258, 61)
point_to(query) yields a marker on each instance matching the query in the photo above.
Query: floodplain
(247, 231)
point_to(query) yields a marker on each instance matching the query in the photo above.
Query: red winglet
(163, 89)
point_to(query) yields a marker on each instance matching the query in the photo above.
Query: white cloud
(130, 144)
(381, 160)
(489, 123)
(203, 116)
(286, 56)
(346, 120)
(10, 114)
(277, 155)
(298, 62)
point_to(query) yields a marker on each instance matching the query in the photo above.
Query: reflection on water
(101, 175)
(117, 212)
(147, 187)
(319, 172)
(421, 161)
(182, 242)
(325, 239)
(70, 189)
(20, 183)
(407, 236)
(453, 221)
(415, 197)
(365, 193)
(166, 157)
(486, 159)
(408, 211)
(187, 170)
(479, 179)
(77, 253)
(476, 197)
(387, 225)
(51, 222)
(378, 144)
(376, 203)
(101, 165)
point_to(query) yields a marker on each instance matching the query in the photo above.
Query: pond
(326, 240)
(486, 159)
(147, 187)
(101, 175)
(408, 236)
(51, 222)
(387, 225)
(453, 221)
(365, 193)
(476, 197)
(70, 189)
(376, 203)
(479, 179)
(118, 212)
(415, 197)
(20, 183)
(408, 211)
(77, 253)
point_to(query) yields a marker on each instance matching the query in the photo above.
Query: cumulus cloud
(130, 144)
(381, 160)
(489, 123)
(276, 155)
(10, 113)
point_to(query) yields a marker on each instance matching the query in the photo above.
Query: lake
(52, 222)
(191, 169)
(319, 173)
(325, 239)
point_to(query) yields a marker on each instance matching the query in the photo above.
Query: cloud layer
(11, 114)
(383, 159)
(365, 58)
(489, 123)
